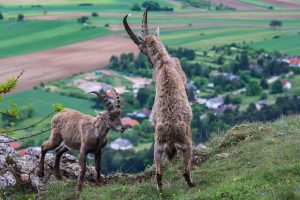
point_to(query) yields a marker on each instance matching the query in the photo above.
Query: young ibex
(171, 113)
(88, 134)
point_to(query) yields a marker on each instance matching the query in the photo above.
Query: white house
(287, 85)
(214, 102)
(121, 144)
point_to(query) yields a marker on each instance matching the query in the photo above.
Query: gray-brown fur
(171, 112)
(87, 134)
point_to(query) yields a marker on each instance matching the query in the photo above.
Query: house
(121, 144)
(201, 101)
(260, 104)
(191, 86)
(286, 84)
(226, 107)
(129, 122)
(294, 62)
(214, 102)
(211, 85)
(144, 113)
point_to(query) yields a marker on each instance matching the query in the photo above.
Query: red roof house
(129, 122)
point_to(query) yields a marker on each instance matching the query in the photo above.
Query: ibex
(77, 131)
(171, 112)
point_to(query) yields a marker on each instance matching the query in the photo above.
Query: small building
(286, 84)
(226, 107)
(294, 62)
(214, 102)
(121, 144)
(191, 86)
(260, 104)
(211, 85)
(201, 101)
(129, 122)
(144, 113)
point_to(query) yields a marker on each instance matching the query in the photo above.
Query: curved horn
(145, 23)
(117, 98)
(129, 31)
(104, 100)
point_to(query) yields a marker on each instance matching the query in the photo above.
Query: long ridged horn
(104, 100)
(129, 31)
(117, 99)
(145, 28)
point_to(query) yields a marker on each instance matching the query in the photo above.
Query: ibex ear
(157, 32)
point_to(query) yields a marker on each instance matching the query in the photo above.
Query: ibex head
(114, 110)
(150, 45)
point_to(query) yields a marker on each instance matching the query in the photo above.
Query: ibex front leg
(82, 163)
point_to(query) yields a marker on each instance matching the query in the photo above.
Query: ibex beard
(87, 134)
(171, 112)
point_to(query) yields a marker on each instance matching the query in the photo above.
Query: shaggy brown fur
(84, 133)
(171, 113)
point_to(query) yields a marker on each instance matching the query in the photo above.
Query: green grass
(261, 4)
(287, 43)
(43, 102)
(30, 36)
(142, 147)
(208, 37)
(263, 163)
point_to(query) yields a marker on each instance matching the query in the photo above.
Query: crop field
(26, 37)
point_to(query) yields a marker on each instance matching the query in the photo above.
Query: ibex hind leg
(158, 152)
(58, 155)
(187, 157)
(50, 144)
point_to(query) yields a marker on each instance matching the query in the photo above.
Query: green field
(43, 102)
(31, 36)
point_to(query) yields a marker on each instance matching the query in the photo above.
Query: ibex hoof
(57, 175)
(40, 173)
(79, 186)
(192, 184)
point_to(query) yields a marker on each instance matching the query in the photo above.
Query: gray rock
(7, 179)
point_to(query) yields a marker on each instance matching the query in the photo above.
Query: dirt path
(65, 61)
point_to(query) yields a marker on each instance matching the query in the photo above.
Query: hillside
(251, 161)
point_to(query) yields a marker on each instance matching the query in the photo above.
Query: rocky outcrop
(15, 169)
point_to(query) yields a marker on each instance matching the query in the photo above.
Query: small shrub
(94, 14)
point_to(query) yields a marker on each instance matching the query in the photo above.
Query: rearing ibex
(171, 113)
(88, 134)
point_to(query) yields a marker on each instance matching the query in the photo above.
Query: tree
(20, 17)
(94, 14)
(277, 87)
(136, 7)
(143, 95)
(264, 84)
(83, 20)
(1, 16)
(253, 89)
(11, 113)
(275, 23)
